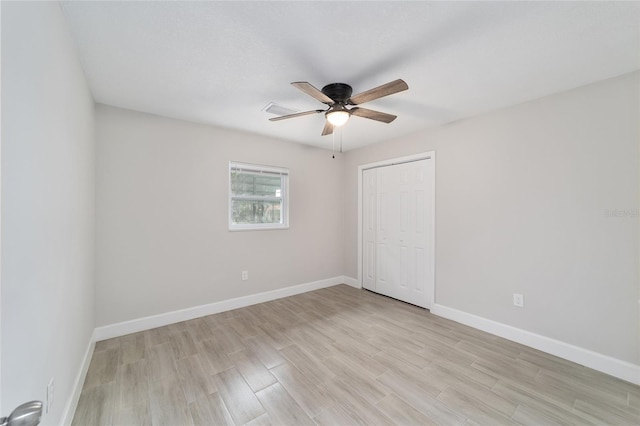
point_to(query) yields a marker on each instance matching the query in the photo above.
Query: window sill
(258, 228)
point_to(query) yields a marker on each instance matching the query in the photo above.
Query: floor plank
(210, 410)
(312, 397)
(167, 402)
(253, 370)
(238, 396)
(96, 406)
(132, 397)
(281, 407)
(133, 347)
(402, 413)
(194, 378)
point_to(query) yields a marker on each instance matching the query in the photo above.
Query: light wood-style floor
(340, 356)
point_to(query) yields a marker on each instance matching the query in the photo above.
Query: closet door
(401, 232)
(369, 226)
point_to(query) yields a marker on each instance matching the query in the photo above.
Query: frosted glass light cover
(338, 118)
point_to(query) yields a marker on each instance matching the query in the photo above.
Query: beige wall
(521, 196)
(162, 237)
(47, 208)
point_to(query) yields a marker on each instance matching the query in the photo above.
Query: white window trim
(259, 169)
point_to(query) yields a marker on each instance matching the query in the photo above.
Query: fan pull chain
(333, 150)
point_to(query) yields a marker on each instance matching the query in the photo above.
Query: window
(258, 197)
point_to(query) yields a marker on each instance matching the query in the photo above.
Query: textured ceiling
(221, 63)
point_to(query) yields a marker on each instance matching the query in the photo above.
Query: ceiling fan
(338, 97)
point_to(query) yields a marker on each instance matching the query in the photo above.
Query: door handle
(27, 414)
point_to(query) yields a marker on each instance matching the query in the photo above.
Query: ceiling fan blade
(328, 128)
(312, 91)
(378, 92)
(297, 114)
(373, 115)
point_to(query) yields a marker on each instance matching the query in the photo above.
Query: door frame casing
(431, 246)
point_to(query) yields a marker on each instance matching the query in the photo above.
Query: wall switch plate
(518, 300)
(245, 275)
(49, 396)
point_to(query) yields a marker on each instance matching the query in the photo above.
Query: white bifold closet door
(397, 227)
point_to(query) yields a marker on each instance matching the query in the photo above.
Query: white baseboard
(351, 281)
(72, 402)
(604, 363)
(147, 323)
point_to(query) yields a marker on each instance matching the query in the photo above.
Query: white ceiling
(222, 62)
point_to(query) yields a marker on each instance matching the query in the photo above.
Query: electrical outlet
(245, 275)
(49, 396)
(518, 300)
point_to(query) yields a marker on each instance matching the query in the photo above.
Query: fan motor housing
(339, 92)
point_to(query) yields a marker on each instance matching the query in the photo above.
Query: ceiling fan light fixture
(337, 96)
(338, 117)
